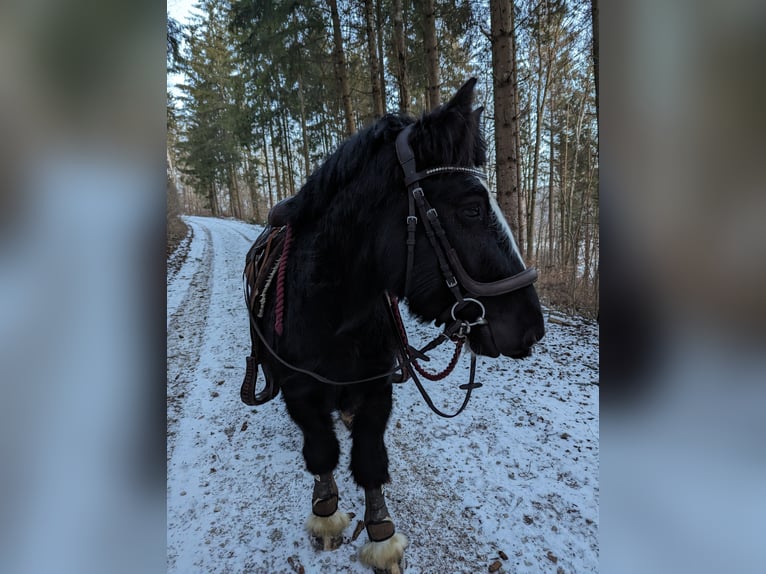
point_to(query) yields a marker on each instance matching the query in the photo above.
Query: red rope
(428, 375)
(279, 308)
(447, 370)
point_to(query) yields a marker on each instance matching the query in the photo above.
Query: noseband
(455, 275)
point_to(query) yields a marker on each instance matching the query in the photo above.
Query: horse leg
(326, 524)
(321, 451)
(369, 464)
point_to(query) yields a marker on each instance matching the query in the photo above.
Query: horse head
(355, 209)
(448, 152)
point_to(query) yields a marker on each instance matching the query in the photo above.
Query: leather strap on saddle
(260, 262)
(247, 390)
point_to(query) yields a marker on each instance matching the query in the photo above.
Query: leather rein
(455, 277)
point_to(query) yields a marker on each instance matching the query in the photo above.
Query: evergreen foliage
(261, 106)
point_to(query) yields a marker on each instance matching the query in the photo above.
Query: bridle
(456, 278)
(453, 272)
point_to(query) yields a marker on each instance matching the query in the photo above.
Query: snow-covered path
(516, 473)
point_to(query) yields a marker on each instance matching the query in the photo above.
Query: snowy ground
(516, 474)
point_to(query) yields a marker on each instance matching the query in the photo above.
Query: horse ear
(449, 135)
(463, 99)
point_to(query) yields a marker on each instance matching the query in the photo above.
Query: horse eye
(472, 211)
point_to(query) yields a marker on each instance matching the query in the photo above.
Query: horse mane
(346, 166)
(356, 176)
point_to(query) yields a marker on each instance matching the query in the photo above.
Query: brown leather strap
(380, 531)
(492, 288)
(325, 507)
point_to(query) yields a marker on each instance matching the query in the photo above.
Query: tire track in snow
(237, 226)
(186, 324)
(213, 462)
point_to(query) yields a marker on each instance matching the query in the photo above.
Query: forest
(269, 88)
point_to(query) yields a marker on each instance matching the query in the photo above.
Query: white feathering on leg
(384, 555)
(327, 527)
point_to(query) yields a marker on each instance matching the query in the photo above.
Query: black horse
(400, 211)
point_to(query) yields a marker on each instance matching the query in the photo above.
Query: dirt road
(516, 473)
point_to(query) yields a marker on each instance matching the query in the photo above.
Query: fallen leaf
(358, 530)
(495, 566)
(296, 566)
(552, 557)
(503, 555)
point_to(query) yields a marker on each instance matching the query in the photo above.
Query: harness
(455, 276)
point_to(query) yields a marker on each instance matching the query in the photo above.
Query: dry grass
(176, 228)
(560, 290)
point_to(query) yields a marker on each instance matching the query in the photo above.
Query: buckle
(417, 193)
(432, 215)
(452, 283)
(412, 219)
(463, 330)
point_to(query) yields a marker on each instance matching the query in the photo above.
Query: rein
(406, 350)
(408, 365)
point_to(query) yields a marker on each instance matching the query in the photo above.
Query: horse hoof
(322, 543)
(397, 568)
(326, 532)
(386, 557)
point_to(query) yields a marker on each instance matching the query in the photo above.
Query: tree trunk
(214, 211)
(287, 153)
(588, 235)
(252, 185)
(340, 69)
(268, 171)
(541, 96)
(381, 55)
(542, 92)
(236, 207)
(573, 179)
(594, 20)
(432, 54)
(506, 124)
(275, 163)
(304, 131)
(521, 234)
(372, 49)
(400, 52)
(549, 256)
(564, 186)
